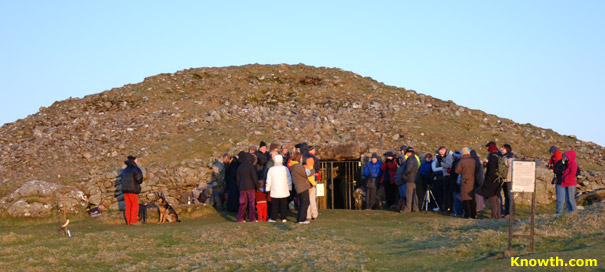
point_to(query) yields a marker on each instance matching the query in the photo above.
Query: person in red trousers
(131, 178)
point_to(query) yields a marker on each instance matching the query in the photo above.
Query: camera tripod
(427, 199)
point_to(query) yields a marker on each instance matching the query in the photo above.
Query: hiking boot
(284, 220)
(271, 221)
(304, 222)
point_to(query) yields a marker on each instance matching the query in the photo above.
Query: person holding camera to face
(441, 167)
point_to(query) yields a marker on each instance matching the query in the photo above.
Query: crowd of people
(262, 183)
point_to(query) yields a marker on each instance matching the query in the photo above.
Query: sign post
(524, 181)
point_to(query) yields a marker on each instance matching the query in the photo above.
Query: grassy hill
(197, 114)
(338, 240)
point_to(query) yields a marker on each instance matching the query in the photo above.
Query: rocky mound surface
(179, 124)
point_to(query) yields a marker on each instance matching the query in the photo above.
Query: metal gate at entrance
(340, 179)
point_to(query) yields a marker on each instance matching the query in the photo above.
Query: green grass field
(207, 240)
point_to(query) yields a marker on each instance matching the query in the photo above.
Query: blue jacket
(372, 170)
(425, 169)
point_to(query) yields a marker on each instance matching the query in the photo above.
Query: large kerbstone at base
(38, 198)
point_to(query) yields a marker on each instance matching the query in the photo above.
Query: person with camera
(557, 166)
(371, 174)
(441, 167)
(492, 184)
(425, 177)
(409, 177)
(507, 157)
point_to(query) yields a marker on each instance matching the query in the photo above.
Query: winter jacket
(399, 175)
(557, 156)
(441, 168)
(300, 177)
(491, 183)
(411, 171)
(279, 182)
(569, 175)
(247, 177)
(131, 178)
(401, 160)
(389, 168)
(372, 170)
(426, 170)
(479, 173)
(261, 161)
(466, 169)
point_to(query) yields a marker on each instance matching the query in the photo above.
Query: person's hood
(509, 155)
(130, 163)
(571, 155)
(245, 157)
(558, 155)
(304, 148)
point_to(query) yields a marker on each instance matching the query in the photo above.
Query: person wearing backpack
(507, 185)
(492, 184)
(569, 180)
(558, 167)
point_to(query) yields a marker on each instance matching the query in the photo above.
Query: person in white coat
(279, 185)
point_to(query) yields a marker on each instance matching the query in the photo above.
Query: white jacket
(279, 182)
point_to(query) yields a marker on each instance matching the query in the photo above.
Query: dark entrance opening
(340, 179)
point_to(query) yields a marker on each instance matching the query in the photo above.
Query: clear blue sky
(538, 62)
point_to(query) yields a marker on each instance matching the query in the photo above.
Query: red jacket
(392, 169)
(555, 158)
(569, 175)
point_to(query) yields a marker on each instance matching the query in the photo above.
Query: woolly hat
(262, 144)
(553, 149)
(409, 149)
(131, 158)
(465, 151)
(403, 147)
(490, 143)
(278, 159)
(374, 155)
(389, 154)
(457, 154)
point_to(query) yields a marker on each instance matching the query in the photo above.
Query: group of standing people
(267, 180)
(459, 182)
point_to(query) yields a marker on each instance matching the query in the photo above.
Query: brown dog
(358, 196)
(165, 211)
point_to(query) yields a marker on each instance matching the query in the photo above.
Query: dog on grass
(358, 196)
(165, 211)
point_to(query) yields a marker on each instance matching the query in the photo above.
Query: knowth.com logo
(552, 262)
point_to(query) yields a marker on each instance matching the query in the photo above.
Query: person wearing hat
(279, 185)
(262, 157)
(491, 184)
(371, 174)
(409, 177)
(402, 158)
(425, 179)
(466, 170)
(389, 169)
(556, 164)
(131, 178)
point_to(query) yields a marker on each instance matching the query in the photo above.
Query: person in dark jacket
(389, 168)
(425, 177)
(300, 178)
(247, 181)
(466, 169)
(410, 175)
(454, 187)
(371, 174)
(558, 167)
(479, 176)
(231, 165)
(262, 157)
(131, 178)
(492, 184)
